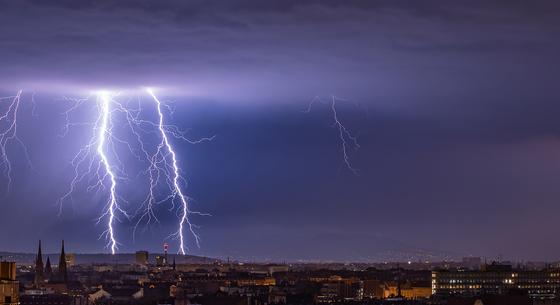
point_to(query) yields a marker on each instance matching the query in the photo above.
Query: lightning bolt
(101, 162)
(92, 162)
(8, 134)
(103, 133)
(347, 140)
(176, 191)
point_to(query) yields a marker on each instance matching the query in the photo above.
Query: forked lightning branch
(100, 166)
(100, 161)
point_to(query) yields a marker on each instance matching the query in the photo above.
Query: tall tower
(48, 269)
(39, 278)
(165, 248)
(62, 271)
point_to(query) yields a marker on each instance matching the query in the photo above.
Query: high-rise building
(496, 279)
(62, 270)
(9, 286)
(39, 269)
(142, 257)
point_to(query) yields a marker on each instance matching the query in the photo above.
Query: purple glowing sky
(457, 113)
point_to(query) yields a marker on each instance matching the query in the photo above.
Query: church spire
(48, 268)
(39, 267)
(63, 273)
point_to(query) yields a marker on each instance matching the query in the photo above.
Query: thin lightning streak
(345, 136)
(177, 191)
(347, 140)
(34, 105)
(9, 134)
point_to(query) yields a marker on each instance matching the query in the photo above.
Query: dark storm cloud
(248, 51)
(458, 119)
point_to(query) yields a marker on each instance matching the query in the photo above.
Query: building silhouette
(48, 269)
(62, 269)
(142, 257)
(9, 286)
(39, 269)
(497, 279)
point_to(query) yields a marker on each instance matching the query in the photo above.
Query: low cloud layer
(280, 50)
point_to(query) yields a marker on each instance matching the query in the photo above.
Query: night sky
(455, 104)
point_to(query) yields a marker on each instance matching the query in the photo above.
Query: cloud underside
(248, 51)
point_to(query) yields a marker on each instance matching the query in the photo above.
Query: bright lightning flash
(92, 163)
(103, 133)
(101, 161)
(176, 192)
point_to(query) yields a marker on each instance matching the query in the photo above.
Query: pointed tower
(62, 272)
(165, 248)
(39, 267)
(48, 269)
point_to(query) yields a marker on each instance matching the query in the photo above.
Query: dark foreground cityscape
(178, 280)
